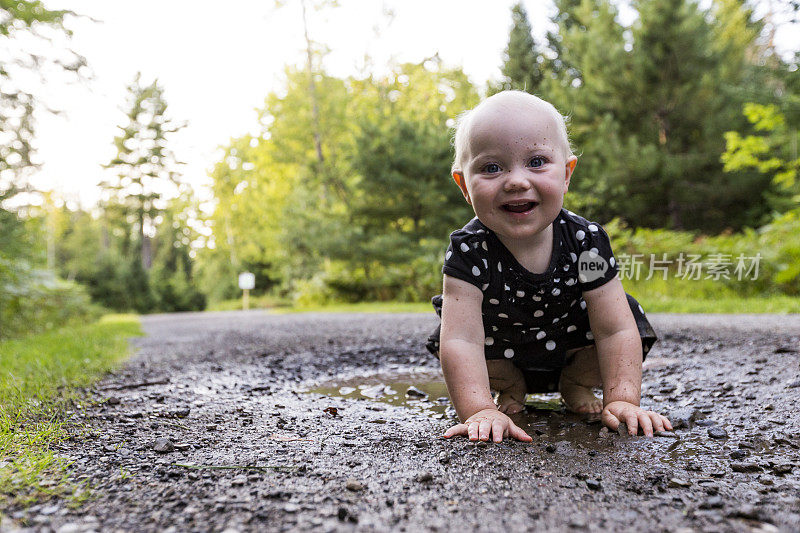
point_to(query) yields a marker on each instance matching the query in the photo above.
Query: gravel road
(208, 428)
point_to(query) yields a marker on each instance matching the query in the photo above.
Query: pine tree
(522, 61)
(145, 169)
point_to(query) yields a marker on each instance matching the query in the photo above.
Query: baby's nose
(516, 180)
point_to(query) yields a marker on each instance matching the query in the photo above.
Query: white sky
(217, 61)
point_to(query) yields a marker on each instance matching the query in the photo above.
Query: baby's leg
(579, 378)
(508, 380)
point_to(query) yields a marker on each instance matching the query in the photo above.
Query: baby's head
(508, 102)
(513, 162)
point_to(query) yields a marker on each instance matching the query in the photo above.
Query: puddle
(421, 391)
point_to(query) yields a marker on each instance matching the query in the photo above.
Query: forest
(684, 123)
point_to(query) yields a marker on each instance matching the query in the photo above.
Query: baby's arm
(619, 352)
(464, 366)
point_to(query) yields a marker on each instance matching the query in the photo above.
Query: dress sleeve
(596, 264)
(467, 258)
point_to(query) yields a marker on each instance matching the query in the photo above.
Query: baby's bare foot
(579, 399)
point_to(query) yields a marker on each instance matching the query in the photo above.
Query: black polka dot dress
(533, 319)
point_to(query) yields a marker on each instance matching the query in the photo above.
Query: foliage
(523, 64)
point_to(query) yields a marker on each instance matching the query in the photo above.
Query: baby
(531, 297)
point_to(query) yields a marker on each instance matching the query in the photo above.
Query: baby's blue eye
(537, 161)
(491, 168)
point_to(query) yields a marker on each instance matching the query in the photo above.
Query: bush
(35, 300)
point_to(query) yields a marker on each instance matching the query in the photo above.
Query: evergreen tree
(522, 62)
(146, 169)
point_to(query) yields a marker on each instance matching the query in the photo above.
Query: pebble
(354, 485)
(793, 384)
(112, 400)
(414, 392)
(667, 434)
(163, 445)
(444, 457)
(714, 502)
(677, 482)
(739, 454)
(69, 527)
(782, 469)
(682, 418)
(745, 467)
(594, 484)
(424, 477)
(717, 433)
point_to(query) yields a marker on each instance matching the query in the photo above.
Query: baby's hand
(634, 416)
(486, 423)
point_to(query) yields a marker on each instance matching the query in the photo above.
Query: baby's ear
(571, 162)
(458, 177)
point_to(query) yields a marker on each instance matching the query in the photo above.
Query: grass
(40, 376)
(652, 302)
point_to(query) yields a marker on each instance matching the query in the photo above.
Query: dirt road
(208, 428)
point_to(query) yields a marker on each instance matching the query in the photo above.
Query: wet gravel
(207, 429)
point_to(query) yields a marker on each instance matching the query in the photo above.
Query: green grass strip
(40, 376)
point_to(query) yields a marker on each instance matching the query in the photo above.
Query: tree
(145, 168)
(522, 62)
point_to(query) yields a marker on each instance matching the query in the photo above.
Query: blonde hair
(463, 122)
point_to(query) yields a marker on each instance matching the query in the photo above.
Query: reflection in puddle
(425, 392)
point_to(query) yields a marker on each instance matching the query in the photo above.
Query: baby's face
(516, 169)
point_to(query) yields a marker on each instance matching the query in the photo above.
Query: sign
(247, 281)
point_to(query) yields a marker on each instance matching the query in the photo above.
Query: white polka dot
(483, 245)
(582, 277)
(580, 234)
(517, 323)
(509, 353)
(494, 301)
(551, 345)
(506, 287)
(537, 298)
(476, 271)
(612, 261)
(520, 293)
(566, 267)
(556, 280)
(573, 257)
(570, 329)
(448, 255)
(556, 291)
(538, 313)
(555, 320)
(570, 282)
(583, 304)
(499, 267)
(480, 231)
(641, 310)
(564, 315)
(489, 341)
(494, 328)
(464, 247)
(502, 315)
(593, 252)
(589, 335)
(541, 335)
(486, 264)
(485, 286)
(592, 227)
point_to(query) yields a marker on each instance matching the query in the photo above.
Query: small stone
(69, 527)
(793, 384)
(745, 467)
(739, 454)
(444, 457)
(163, 445)
(181, 413)
(714, 502)
(112, 400)
(550, 448)
(717, 433)
(354, 485)
(706, 423)
(424, 477)
(622, 429)
(682, 418)
(744, 510)
(48, 510)
(782, 469)
(414, 392)
(677, 482)
(239, 481)
(577, 523)
(594, 484)
(667, 434)
(291, 507)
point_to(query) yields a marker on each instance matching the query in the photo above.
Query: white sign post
(247, 281)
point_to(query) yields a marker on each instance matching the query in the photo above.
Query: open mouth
(519, 207)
